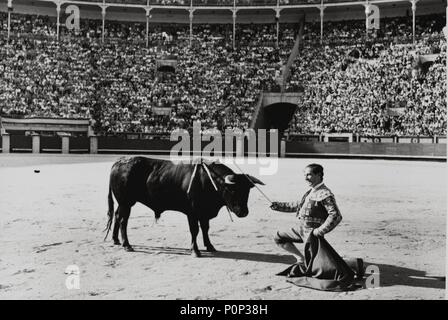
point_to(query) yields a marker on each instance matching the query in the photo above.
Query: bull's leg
(124, 213)
(116, 227)
(194, 230)
(204, 227)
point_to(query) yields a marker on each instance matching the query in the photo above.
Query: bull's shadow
(234, 255)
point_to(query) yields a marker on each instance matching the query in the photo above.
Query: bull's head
(237, 187)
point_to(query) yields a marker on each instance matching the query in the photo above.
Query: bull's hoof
(196, 253)
(128, 248)
(117, 243)
(211, 249)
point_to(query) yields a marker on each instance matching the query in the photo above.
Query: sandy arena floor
(394, 217)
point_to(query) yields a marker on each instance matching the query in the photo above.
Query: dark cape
(324, 269)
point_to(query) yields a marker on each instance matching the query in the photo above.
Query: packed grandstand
(371, 86)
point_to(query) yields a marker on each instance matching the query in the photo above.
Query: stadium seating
(351, 84)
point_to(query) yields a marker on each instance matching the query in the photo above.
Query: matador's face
(311, 178)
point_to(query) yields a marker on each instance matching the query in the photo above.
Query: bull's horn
(254, 180)
(228, 179)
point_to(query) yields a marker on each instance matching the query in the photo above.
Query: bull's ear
(229, 179)
(254, 180)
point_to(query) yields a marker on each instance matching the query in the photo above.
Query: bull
(198, 190)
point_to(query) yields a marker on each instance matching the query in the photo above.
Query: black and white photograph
(223, 150)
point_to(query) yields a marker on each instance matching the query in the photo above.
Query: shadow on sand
(389, 275)
(235, 255)
(400, 276)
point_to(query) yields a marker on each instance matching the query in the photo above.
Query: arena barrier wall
(51, 144)
(417, 148)
(79, 145)
(163, 147)
(20, 143)
(122, 145)
(434, 151)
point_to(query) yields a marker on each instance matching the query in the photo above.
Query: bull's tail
(110, 212)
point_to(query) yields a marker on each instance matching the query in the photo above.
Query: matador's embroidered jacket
(316, 210)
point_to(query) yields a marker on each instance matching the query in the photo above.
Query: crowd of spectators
(381, 96)
(394, 30)
(376, 87)
(117, 84)
(352, 84)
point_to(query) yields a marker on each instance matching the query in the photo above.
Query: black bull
(162, 185)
